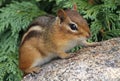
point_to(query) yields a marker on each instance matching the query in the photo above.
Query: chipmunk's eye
(73, 26)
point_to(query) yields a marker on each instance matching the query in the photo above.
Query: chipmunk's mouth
(82, 40)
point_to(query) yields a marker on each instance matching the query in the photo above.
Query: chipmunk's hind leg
(32, 70)
(27, 60)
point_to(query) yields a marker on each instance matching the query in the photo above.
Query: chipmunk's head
(73, 24)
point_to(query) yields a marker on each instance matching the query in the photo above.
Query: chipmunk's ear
(62, 15)
(74, 7)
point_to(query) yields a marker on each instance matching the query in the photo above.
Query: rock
(100, 63)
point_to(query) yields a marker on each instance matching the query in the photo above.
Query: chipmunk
(49, 37)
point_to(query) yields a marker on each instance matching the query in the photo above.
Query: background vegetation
(103, 17)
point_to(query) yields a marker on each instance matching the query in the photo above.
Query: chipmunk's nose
(88, 35)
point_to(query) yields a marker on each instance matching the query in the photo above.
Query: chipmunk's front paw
(93, 44)
(69, 56)
(65, 55)
(96, 44)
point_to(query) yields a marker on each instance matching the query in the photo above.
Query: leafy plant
(103, 16)
(13, 18)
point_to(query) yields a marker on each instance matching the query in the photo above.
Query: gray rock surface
(100, 63)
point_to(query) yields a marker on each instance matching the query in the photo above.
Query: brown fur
(49, 37)
(31, 34)
(43, 21)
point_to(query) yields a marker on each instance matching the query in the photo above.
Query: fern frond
(95, 28)
(111, 34)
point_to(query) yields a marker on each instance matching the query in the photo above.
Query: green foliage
(103, 17)
(13, 18)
